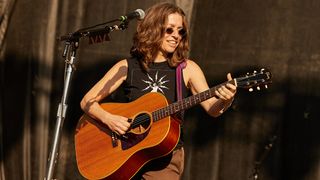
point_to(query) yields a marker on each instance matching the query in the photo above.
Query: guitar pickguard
(132, 139)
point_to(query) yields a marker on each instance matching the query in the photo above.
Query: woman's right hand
(117, 124)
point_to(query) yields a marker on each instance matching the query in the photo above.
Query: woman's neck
(160, 58)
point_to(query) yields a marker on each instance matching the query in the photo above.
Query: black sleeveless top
(160, 78)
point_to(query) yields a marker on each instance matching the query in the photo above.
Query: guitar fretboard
(186, 103)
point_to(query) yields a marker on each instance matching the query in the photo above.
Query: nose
(175, 34)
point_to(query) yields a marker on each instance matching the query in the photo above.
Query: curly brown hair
(150, 32)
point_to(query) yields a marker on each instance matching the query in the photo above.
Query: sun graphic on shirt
(155, 84)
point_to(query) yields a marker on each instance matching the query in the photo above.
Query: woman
(159, 46)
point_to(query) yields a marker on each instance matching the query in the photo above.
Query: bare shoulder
(118, 70)
(121, 67)
(192, 66)
(191, 72)
(122, 63)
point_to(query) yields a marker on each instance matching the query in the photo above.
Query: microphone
(96, 33)
(138, 13)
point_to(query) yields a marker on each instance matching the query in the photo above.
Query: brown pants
(169, 167)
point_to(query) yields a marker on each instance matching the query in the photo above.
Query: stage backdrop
(274, 129)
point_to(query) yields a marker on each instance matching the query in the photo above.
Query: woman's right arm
(108, 84)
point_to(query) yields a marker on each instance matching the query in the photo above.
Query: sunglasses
(181, 32)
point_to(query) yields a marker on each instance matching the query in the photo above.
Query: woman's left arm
(224, 95)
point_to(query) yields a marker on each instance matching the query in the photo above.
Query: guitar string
(188, 102)
(168, 110)
(144, 118)
(180, 104)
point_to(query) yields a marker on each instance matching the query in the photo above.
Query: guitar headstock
(255, 79)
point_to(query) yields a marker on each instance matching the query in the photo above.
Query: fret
(160, 114)
(191, 99)
(198, 98)
(195, 99)
(185, 102)
(167, 112)
(155, 116)
(170, 109)
(208, 93)
(182, 105)
(189, 103)
(177, 107)
(163, 113)
(201, 96)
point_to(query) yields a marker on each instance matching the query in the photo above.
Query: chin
(170, 50)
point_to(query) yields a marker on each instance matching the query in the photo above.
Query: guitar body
(98, 157)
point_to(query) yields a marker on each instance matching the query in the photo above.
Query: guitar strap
(179, 82)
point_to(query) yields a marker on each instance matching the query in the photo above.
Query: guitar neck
(187, 102)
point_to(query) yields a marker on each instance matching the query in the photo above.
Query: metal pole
(61, 113)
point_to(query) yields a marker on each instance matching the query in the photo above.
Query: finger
(220, 93)
(217, 94)
(226, 92)
(231, 87)
(121, 132)
(117, 133)
(229, 77)
(120, 128)
(124, 122)
(123, 127)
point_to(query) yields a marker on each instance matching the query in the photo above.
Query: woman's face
(173, 34)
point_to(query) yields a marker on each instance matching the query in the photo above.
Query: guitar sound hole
(141, 123)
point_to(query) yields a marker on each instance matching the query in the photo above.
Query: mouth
(172, 43)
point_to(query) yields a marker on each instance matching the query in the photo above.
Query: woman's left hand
(227, 91)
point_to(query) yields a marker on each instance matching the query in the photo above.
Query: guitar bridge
(114, 139)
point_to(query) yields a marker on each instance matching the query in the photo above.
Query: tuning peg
(266, 86)
(258, 88)
(250, 89)
(254, 72)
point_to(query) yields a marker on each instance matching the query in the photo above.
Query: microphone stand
(267, 148)
(71, 41)
(62, 108)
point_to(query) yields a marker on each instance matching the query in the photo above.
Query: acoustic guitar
(154, 132)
